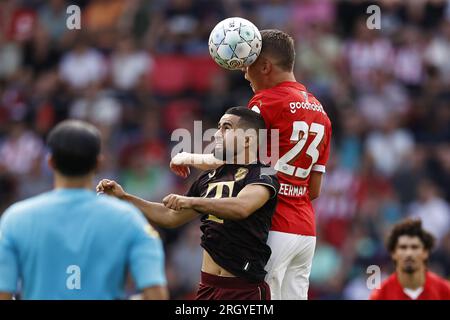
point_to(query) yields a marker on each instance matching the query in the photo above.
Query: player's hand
(110, 187)
(177, 202)
(179, 164)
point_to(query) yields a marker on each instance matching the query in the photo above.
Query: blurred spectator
(437, 52)
(128, 64)
(432, 209)
(82, 66)
(21, 151)
(53, 18)
(365, 53)
(103, 14)
(389, 148)
(10, 57)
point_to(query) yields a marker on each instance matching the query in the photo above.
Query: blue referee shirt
(73, 244)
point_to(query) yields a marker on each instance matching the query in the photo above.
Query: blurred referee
(70, 244)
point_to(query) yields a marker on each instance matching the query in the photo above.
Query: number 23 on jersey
(300, 132)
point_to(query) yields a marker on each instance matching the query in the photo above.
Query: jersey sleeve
(9, 265)
(269, 181)
(320, 165)
(146, 257)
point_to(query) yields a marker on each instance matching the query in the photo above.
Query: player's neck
(279, 78)
(245, 157)
(412, 280)
(62, 182)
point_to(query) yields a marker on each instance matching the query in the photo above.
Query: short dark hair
(248, 118)
(411, 228)
(280, 46)
(75, 146)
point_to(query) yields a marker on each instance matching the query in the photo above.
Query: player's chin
(219, 152)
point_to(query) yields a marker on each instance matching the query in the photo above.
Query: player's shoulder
(114, 205)
(260, 173)
(387, 286)
(262, 169)
(119, 211)
(277, 93)
(388, 283)
(438, 281)
(23, 208)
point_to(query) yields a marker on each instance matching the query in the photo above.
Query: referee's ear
(51, 162)
(100, 162)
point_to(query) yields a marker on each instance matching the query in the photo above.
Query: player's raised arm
(156, 213)
(250, 199)
(181, 162)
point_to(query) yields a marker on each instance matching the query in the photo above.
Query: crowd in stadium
(140, 69)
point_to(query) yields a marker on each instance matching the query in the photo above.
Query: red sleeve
(325, 150)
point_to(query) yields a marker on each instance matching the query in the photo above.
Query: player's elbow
(6, 296)
(314, 195)
(172, 224)
(242, 211)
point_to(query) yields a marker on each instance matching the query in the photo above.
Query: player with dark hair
(70, 244)
(410, 246)
(236, 202)
(304, 146)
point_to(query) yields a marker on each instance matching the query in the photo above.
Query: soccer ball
(234, 43)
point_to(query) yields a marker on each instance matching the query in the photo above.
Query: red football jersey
(304, 146)
(435, 288)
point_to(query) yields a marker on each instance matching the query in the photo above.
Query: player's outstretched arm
(182, 161)
(249, 199)
(156, 213)
(6, 296)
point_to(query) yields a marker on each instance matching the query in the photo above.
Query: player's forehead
(230, 119)
(407, 240)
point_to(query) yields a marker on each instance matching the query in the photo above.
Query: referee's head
(74, 148)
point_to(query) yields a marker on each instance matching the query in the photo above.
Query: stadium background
(140, 69)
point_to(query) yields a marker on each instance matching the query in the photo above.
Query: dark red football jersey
(304, 146)
(435, 288)
(238, 246)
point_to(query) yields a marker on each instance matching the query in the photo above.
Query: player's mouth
(409, 262)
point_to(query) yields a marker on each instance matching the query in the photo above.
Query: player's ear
(247, 141)
(51, 162)
(251, 141)
(100, 161)
(266, 66)
(425, 254)
(393, 256)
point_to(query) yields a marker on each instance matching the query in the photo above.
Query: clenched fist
(177, 202)
(179, 164)
(110, 187)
